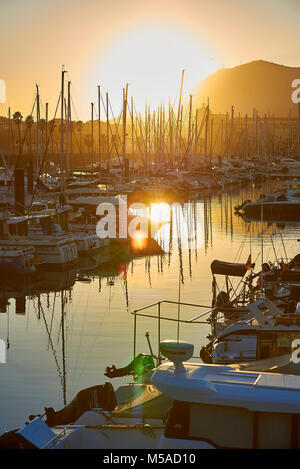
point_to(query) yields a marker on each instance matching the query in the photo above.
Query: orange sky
(144, 43)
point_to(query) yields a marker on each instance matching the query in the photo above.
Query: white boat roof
(14, 220)
(243, 326)
(223, 385)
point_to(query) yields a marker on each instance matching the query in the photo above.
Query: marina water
(63, 340)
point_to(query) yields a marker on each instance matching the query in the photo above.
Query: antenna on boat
(177, 352)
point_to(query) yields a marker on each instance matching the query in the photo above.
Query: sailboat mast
(37, 127)
(99, 133)
(92, 134)
(206, 131)
(231, 132)
(107, 131)
(179, 111)
(70, 149)
(132, 131)
(125, 91)
(62, 129)
(190, 127)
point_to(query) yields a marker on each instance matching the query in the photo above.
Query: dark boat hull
(273, 211)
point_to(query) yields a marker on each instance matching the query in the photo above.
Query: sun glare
(150, 60)
(138, 240)
(160, 212)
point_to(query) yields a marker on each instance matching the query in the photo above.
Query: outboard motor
(102, 396)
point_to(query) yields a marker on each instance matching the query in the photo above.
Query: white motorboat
(87, 241)
(51, 245)
(269, 332)
(212, 406)
(16, 260)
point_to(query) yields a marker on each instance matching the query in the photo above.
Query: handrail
(171, 319)
(138, 313)
(170, 302)
(194, 320)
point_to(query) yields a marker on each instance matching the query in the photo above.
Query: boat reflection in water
(86, 316)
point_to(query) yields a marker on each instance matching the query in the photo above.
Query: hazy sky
(140, 42)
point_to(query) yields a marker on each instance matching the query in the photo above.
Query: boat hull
(273, 211)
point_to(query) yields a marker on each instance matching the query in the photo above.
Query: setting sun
(151, 60)
(149, 216)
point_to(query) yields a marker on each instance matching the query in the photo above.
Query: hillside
(263, 85)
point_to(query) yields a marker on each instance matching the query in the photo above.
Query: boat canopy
(228, 268)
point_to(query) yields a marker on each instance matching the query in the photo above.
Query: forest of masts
(169, 137)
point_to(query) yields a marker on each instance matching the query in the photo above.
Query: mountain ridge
(260, 84)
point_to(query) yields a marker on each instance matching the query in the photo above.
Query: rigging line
(11, 136)
(24, 138)
(237, 256)
(113, 140)
(69, 329)
(74, 108)
(140, 126)
(72, 383)
(180, 274)
(274, 248)
(113, 143)
(116, 126)
(134, 129)
(164, 134)
(45, 152)
(139, 120)
(216, 138)
(95, 338)
(283, 245)
(51, 323)
(238, 253)
(51, 344)
(74, 122)
(42, 106)
(198, 134)
(74, 134)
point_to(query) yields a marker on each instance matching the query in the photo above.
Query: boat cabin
(216, 406)
(242, 342)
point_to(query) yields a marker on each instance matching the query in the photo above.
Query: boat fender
(222, 299)
(205, 355)
(266, 267)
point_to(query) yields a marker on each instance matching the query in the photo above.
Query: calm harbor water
(69, 334)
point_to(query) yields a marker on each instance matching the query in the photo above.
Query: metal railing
(158, 316)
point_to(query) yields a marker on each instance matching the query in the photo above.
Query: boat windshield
(275, 344)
